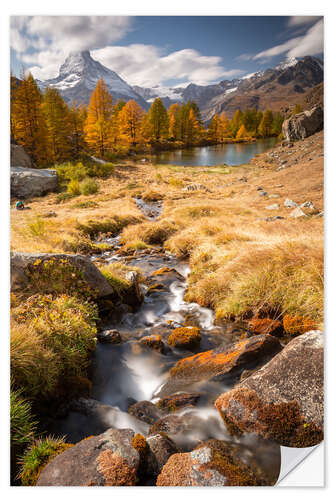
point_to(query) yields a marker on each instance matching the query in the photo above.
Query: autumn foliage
(53, 132)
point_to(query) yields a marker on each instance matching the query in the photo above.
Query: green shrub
(102, 170)
(86, 204)
(73, 187)
(51, 341)
(69, 171)
(22, 424)
(37, 456)
(88, 186)
(57, 276)
(36, 227)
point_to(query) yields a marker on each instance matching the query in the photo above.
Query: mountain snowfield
(79, 74)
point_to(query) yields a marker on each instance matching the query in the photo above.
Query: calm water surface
(230, 154)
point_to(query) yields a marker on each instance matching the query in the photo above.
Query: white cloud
(146, 65)
(301, 20)
(68, 33)
(310, 44)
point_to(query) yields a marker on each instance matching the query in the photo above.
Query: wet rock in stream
(284, 400)
(219, 362)
(109, 337)
(220, 463)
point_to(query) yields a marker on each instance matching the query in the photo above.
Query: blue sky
(159, 50)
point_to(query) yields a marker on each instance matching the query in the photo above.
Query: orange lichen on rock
(140, 444)
(186, 337)
(176, 471)
(153, 342)
(296, 325)
(115, 469)
(266, 325)
(216, 362)
(282, 422)
(162, 270)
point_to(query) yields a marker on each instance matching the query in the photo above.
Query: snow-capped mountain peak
(78, 77)
(287, 63)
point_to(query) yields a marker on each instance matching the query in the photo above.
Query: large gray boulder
(105, 460)
(30, 182)
(284, 400)
(303, 124)
(22, 263)
(221, 463)
(19, 157)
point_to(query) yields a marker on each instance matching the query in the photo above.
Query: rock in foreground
(284, 400)
(221, 361)
(30, 182)
(105, 460)
(214, 463)
(21, 265)
(303, 124)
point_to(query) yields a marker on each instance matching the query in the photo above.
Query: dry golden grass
(239, 261)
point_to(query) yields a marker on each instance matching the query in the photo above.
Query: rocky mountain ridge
(276, 88)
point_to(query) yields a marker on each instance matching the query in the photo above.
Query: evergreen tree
(77, 117)
(265, 127)
(236, 122)
(224, 126)
(213, 133)
(277, 124)
(157, 121)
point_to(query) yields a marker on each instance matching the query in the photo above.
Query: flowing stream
(125, 373)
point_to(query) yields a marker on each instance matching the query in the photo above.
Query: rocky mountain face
(275, 88)
(201, 94)
(79, 75)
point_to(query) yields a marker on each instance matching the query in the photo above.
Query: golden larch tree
(28, 123)
(130, 122)
(98, 122)
(57, 119)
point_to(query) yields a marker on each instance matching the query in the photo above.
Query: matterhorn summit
(78, 77)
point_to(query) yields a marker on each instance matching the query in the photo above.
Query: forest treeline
(53, 132)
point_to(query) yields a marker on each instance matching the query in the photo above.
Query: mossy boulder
(57, 273)
(152, 342)
(105, 460)
(284, 400)
(220, 361)
(216, 463)
(185, 337)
